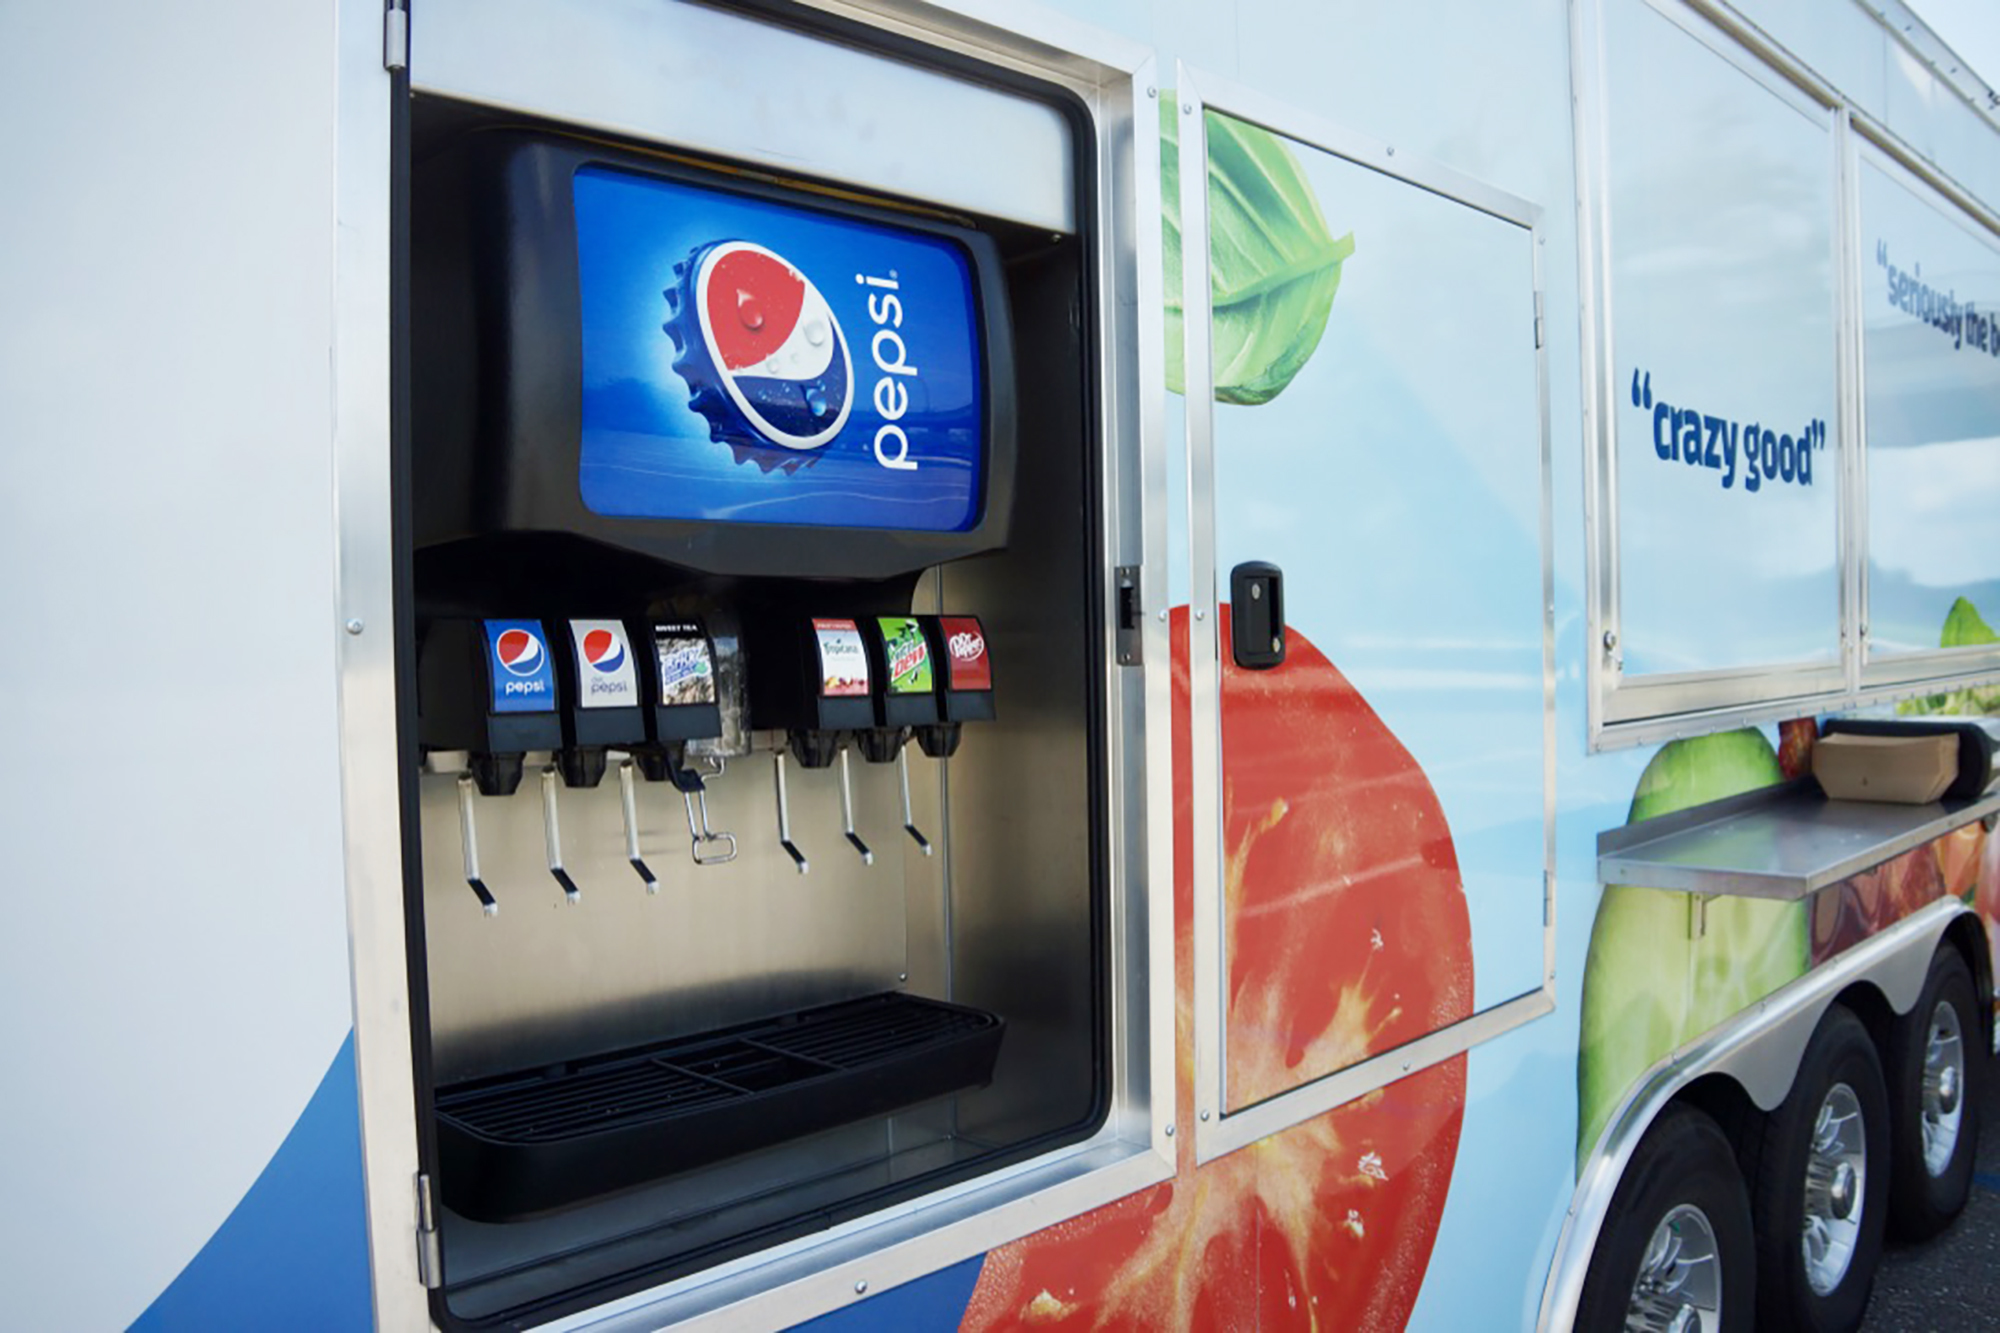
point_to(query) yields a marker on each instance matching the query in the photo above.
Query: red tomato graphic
(1846, 913)
(1349, 934)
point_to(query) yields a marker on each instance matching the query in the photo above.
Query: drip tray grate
(521, 1144)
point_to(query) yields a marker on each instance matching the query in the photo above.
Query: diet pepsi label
(606, 676)
(524, 679)
(747, 360)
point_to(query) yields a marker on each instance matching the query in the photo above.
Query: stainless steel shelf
(1782, 842)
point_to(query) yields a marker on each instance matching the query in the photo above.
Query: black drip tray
(525, 1143)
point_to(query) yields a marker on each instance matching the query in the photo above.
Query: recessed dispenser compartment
(755, 561)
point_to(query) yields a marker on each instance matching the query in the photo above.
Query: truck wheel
(1821, 1195)
(1676, 1251)
(1936, 1064)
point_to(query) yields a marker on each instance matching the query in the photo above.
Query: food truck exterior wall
(236, 939)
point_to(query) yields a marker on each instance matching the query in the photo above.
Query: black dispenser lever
(1257, 615)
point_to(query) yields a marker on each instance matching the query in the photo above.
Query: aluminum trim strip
(1240, 1129)
(1760, 1049)
(363, 645)
(1219, 1130)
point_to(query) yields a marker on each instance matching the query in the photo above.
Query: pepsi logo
(604, 650)
(775, 345)
(519, 651)
(968, 647)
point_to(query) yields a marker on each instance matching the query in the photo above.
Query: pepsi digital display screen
(749, 361)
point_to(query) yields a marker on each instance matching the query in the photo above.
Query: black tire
(1925, 1195)
(1839, 1072)
(1683, 1162)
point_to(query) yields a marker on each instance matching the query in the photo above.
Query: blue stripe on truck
(293, 1254)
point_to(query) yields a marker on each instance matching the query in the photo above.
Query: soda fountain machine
(757, 861)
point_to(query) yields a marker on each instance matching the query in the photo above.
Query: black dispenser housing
(610, 1103)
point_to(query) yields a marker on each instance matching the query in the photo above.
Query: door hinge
(1538, 321)
(430, 1251)
(396, 39)
(1129, 629)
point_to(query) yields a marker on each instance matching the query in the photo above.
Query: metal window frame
(1661, 706)
(1219, 1130)
(1667, 706)
(1934, 669)
(1115, 80)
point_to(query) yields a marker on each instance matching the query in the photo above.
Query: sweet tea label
(687, 665)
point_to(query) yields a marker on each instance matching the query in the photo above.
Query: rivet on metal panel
(1170, 1131)
(1204, 1115)
(1151, 91)
(1187, 108)
(861, 1288)
(1200, 614)
(1610, 640)
(1392, 150)
(1163, 615)
(355, 626)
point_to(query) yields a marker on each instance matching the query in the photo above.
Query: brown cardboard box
(1911, 770)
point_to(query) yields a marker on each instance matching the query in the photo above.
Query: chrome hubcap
(1944, 1081)
(1836, 1173)
(1679, 1286)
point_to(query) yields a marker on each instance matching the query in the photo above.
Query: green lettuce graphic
(1964, 627)
(1650, 980)
(1273, 265)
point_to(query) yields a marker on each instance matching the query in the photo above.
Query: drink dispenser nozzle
(488, 688)
(683, 704)
(694, 794)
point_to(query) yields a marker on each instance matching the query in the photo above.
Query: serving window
(1930, 372)
(1795, 391)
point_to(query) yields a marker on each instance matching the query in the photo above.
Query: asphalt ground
(1951, 1282)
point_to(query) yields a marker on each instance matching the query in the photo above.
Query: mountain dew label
(908, 654)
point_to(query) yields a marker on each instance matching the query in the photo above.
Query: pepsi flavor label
(907, 653)
(605, 673)
(750, 361)
(524, 679)
(968, 665)
(687, 664)
(843, 662)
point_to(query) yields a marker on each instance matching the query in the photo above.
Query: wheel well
(1967, 934)
(1725, 1102)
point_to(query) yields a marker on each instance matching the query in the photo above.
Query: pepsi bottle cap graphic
(763, 356)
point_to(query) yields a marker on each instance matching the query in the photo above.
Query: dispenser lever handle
(627, 783)
(847, 812)
(785, 815)
(903, 780)
(552, 834)
(468, 838)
